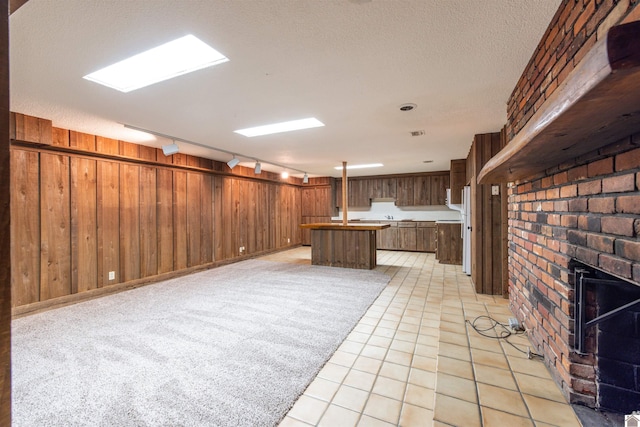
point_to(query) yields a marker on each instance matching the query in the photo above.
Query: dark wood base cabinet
(449, 250)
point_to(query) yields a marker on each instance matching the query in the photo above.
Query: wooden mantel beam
(598, 103)
(15, 5)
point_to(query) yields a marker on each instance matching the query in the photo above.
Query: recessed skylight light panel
(172, 59)
(307, 123)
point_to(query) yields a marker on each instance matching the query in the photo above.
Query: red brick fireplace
(574, 201)
(585, 212)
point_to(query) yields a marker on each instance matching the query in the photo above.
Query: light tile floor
(412, 360)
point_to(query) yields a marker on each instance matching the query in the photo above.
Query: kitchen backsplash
(380, 211)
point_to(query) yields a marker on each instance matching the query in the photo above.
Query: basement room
(320, 213)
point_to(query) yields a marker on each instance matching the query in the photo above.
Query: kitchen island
(339, 245)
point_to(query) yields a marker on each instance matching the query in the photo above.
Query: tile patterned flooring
(412, 360)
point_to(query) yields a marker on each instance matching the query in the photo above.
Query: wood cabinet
(407, 236)
(426, 236)
(424, 189)
(449, 243)
(388, 238)
(457, 180)
(382, 188)
(317, 206)
(405, 191)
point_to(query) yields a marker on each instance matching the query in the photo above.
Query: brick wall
(586, 210)
(573, 31)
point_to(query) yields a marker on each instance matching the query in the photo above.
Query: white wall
(379, 210)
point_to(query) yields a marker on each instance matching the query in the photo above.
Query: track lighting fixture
(173, 148)
(305, 178)
(170, 150)
(233, 162)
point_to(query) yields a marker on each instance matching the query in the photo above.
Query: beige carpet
(232, 346)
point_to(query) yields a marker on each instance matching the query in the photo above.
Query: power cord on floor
(501, 332)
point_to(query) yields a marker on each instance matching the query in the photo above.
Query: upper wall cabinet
(458, 179)
(408, 190)
(382, 188)
(405, 192)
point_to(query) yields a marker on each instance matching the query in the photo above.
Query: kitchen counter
(349, 246)
(350, 226)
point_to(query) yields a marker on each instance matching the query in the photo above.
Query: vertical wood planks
(55, 244)
(180, 251)
(218, 224)
(108, 216)
(164, 200)
(129, 222)
(84, 251)
(206, 220)
(82, 141)
(30, 129)
(25, 227)
(194, 218)
(148, 222)
(5, 223)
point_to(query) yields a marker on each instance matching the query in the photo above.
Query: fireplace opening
(607, 324)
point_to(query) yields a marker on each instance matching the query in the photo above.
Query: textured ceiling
(350, 63)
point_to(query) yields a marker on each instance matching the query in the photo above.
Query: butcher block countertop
(359, 226)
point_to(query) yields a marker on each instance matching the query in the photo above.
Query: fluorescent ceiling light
(172, 59)
(372, 165)
(307, 123)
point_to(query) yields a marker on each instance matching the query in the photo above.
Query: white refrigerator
(466, 230)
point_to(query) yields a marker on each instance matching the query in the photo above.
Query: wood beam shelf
(597, 104)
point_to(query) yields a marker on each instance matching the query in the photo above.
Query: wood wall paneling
(206, 220)
(60, 137)
(55, 243)
(218, 217)
(30, 129)
(108, 218)
(25, 227)
(107, 145)
(82, 141)
(84, 249)
(180, 230)
(194, 218)
(129, 222)
(164, 218)
(5, 219)
(487, 240)
(148, 222)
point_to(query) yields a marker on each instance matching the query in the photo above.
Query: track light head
(233, 162)
(170, 150)
(305, 178)
(258, 168)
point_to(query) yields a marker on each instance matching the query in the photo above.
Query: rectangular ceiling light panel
(307, 123)
(172, 59)
(372, 165)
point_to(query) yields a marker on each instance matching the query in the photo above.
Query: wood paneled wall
(78, 215)
(5, 245)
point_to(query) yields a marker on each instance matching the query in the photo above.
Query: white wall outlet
(288, 240)
(112, 275)
(495, 190)
(241, 248)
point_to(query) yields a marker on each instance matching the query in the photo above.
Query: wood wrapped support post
(344, 194)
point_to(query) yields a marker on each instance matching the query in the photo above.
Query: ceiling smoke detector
(417, 133)
(407, 107)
